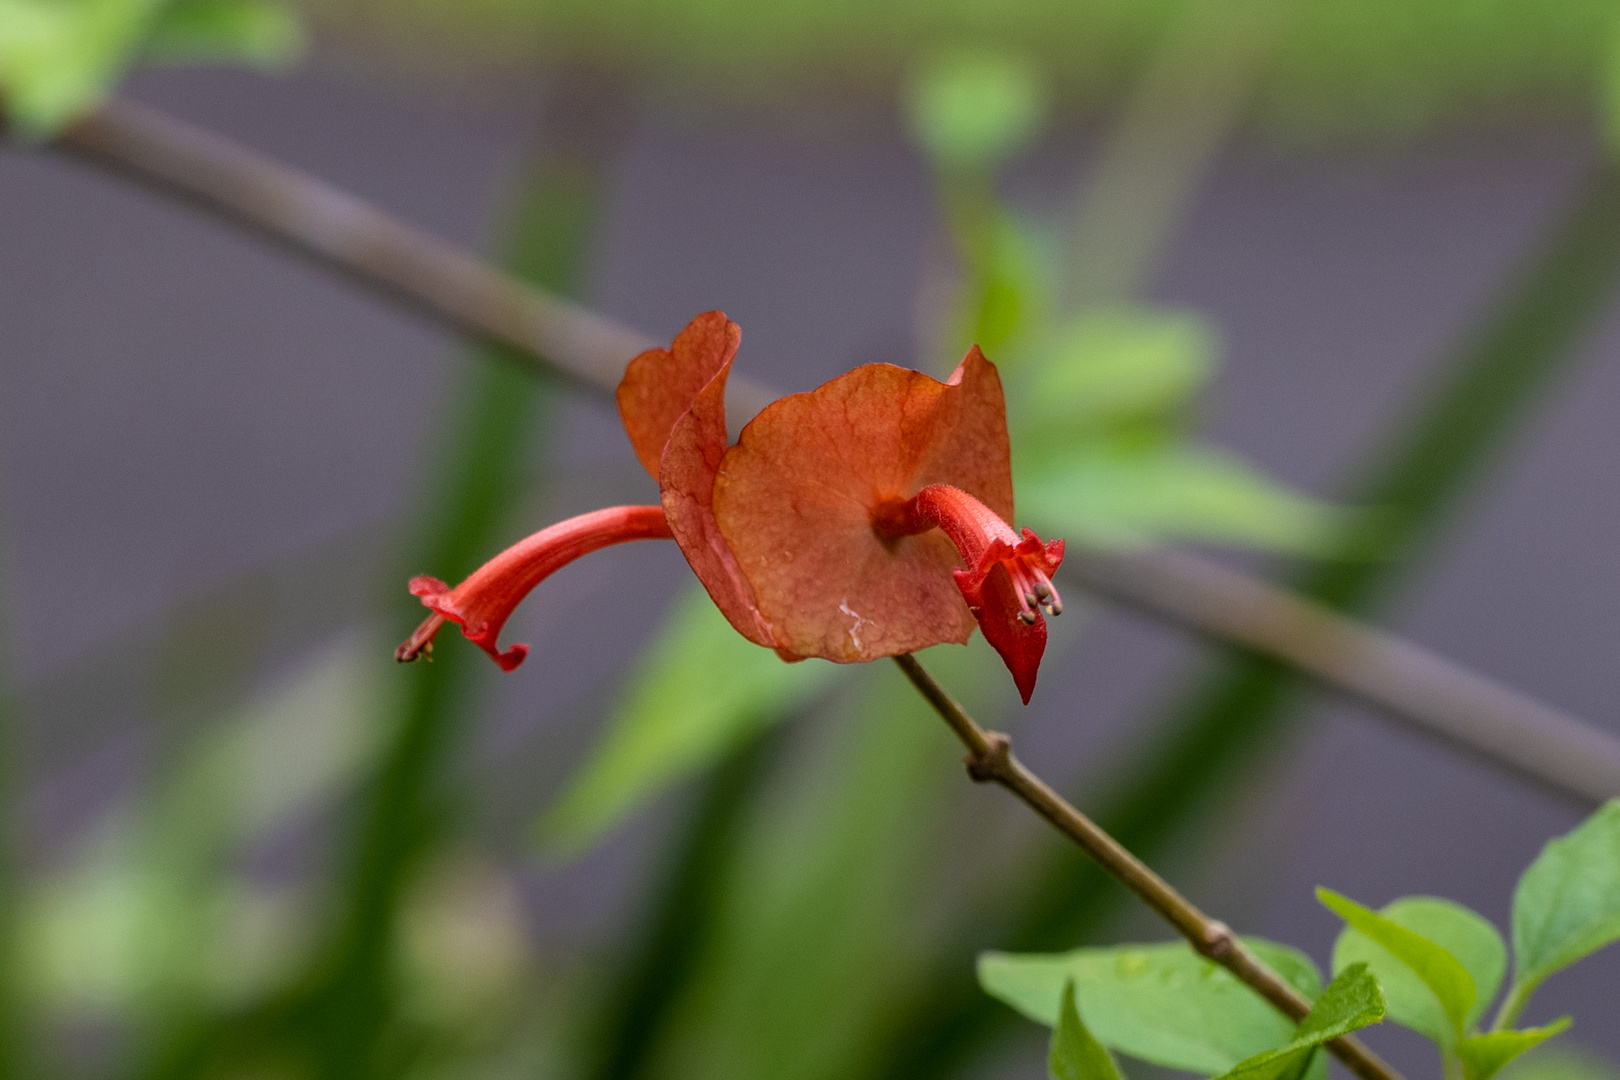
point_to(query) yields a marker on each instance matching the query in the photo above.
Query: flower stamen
(420, 643)
(1008, 580)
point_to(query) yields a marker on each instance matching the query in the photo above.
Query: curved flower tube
(833, 528)
(481, 604)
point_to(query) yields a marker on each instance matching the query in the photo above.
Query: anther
(1028, 617)
(1051, 603)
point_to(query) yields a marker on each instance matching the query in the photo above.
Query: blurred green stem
(676, 929)
(1177, 118)
(336, 1020)
(14, 1056)
(464, 521)
(1417, 475)
(1512, 1005)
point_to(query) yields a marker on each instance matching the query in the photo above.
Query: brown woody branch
(990, 760)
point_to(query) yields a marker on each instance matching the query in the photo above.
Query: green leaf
(1567, 903)
(1074, 1053)
(1441, 972)
(1483, 1055)
(58, 57)
(972, 108)
(259, 32)
(1351, 1001)
(1161, 1003)
(701, 688)
(1111, 366)
(1468, 937)
(1121, 493)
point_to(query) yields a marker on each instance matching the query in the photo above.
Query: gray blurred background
(184, 406)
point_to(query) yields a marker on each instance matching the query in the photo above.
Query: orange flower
(833, 528)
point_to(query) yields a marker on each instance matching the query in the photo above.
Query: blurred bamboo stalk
(678, 923)
(14, 1060)
(1176, 119)
(338, 1016)
(990, 760)
(557, 337)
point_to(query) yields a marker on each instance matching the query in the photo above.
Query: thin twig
(348, 234)
(1406, 682)
(343, 232)
(990, 760)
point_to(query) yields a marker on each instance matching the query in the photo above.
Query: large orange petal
(691, 459)
(794, 501)
(661, 384)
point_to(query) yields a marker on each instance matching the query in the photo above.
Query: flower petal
(794, 500)
(691, 459)
(661, 384)
(994, 604)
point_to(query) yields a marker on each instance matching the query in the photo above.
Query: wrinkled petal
(795, 499)
(692, 457)
(482, 604)
(661, 384)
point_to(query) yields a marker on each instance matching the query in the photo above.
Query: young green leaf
(1445, 977)
(1128, 489)
(1471, 939)
(1562, 1063)
(260, 32)
(1161, 1003)
(1115, 366)
(1074, 1054)
(1351, 1001)
(1483, 1055)
(971, 108)
(58, 58)
(1567, 903)
(700, 689)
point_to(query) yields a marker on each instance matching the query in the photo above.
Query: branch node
(993, 762)
(1218, 940)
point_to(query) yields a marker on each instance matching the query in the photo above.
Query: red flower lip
(833, 528)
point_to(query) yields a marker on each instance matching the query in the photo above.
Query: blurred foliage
(1364, 67)
(970, 108)
(699, 691)
(811, 903)
(58, 58)
(151, 915)
(1559, 1062)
